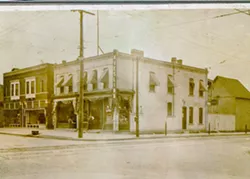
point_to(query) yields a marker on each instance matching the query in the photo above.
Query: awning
(153, 80)
(93, 79)
(170, 81)
(68, 82)
(105, 76)
(202, 86)
(96, 98)
(60, 82)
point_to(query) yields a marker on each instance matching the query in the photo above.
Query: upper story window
(93, 79)
(191, 86)
(30, 87)
(202, 88)
(105, 78)
(85, 81)
(15, 90)
(59, 83)
(153, 82)
(42, 86)
(170, 84)
(68, 83)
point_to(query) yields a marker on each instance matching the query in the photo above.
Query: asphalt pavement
(208, 158)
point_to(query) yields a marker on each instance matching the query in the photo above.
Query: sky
(195, 36)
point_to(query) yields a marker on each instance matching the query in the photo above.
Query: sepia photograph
(125, 94)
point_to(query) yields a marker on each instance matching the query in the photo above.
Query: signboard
(214, 102)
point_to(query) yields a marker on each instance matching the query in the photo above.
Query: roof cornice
(28, 69)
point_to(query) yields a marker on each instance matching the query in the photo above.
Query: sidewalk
(69, 134)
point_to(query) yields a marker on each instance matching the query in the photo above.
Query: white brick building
(167, 90)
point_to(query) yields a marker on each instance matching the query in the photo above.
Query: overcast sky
(220, 44)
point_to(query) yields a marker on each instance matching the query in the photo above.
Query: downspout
(115, 105)
(206, 100)
(173, 96)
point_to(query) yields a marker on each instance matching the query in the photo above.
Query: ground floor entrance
(65, 115)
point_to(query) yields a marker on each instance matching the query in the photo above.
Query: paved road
(8, 141)
(206, 158)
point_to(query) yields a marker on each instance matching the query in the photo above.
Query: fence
(221, 122)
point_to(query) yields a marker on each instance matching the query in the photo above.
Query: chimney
(173, 60)
(139, 53)
(179, 61)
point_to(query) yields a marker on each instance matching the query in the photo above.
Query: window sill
(191, 95)
(191, 124)
(201, 124)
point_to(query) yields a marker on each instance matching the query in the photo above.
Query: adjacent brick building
(27, 95)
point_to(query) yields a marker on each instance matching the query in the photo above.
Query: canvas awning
(60, 82)
(153, 80)
(202, 86)
(96, 98)
(93, 78)
(69, 81)
(105, 76)
(170, 81)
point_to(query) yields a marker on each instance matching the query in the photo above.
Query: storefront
(64, 113)
(99, 110)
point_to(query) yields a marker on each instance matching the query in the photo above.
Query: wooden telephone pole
(81, 56)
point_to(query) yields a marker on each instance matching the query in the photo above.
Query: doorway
(184, 117)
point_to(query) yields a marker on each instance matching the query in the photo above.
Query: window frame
(201, 91)
(13, 90)
(29, 93)
(42, 86)
(191, 86)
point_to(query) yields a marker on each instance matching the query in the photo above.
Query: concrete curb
(120, 139)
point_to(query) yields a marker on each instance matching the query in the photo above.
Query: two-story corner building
(27, 95)
(167, 91)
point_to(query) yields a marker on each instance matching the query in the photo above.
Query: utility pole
(98, 40)
(137, 98)
(81, 56)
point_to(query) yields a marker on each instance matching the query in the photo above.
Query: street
(213, 157)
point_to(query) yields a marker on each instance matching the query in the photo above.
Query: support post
(209, 128)
(246, 129)
(166, 128)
